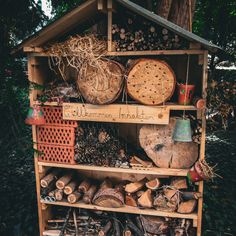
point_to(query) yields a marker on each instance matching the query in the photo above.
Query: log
(106, 184)
(187, 207)
(69, 188)
(170, 193)
(63, 181)
(74, 197)
(130, 200)
(154, 224)
(88, 196)
(139, 193)
(59, 194)
(109, 197)
(163, 8)
(179, 183)
(147, 77)
(132, 226)
(104, 231)
(84, 186)
(46, 180)
(191, 195)
(157, 142)
(134, 187)
(153, 184)
(146, 199)
(102, 88)
(127, 232)
(116, 225)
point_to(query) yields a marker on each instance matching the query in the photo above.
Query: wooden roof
(89, 9)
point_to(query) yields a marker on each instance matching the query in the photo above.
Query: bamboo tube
(63, 181)
(70, 187)
(74, 197)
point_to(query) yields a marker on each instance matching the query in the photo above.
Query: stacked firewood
(90, 223)
(168, 197)
(133, 34)
(100, 146)
(144, 193)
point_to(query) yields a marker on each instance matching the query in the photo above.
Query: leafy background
(214, 20)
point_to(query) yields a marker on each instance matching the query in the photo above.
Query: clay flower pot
(185, 93)
(196, 173)
(35, 116)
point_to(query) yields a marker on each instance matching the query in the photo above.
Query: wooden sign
(120, 113)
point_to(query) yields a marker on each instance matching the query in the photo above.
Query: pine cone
(103, 136)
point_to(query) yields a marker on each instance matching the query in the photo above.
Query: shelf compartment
(125, 209)
(146, 171)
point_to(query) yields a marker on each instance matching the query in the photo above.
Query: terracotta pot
(185, 93)
(199, 103)
(35, 116)
(195, 174)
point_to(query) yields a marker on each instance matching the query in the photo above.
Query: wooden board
(146, 171)
(116, 113)
(125, 209)
(157, 142)
(151, 81)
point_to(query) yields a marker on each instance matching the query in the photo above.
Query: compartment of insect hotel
(117, 110)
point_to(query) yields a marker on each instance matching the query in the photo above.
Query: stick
(70, 187)
(105, 229)
(74, 197)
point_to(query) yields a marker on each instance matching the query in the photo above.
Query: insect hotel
(117, 108)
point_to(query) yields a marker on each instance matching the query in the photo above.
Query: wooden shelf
(125, 209)
(156, 52)
(170, 106)
(37, 51)
(147, 171)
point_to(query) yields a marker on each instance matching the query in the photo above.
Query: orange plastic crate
(53, 116)
(56, 154)
(63, 136)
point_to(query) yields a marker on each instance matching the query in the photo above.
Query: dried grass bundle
(78, 52)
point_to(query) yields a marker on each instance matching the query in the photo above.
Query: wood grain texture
(157, 142)
(151, 82)
(102, 88)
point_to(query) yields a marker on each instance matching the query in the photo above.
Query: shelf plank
(156, 52)
(146, 171)
(125, 209)
(170, 106)
(37, 51)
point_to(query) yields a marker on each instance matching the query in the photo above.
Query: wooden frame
(36, 74)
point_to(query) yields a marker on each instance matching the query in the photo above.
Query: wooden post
(203, 139)
(109, 25)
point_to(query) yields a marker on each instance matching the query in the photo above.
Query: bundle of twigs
(208, 171)
(78, 52)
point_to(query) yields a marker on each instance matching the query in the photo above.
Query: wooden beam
(109, 26)
(203, 140)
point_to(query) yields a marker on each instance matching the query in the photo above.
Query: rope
(186, 84)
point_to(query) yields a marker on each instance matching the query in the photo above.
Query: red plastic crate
(58, 135)
(56, 154)
(53, 116)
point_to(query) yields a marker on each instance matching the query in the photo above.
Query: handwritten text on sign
(120, 113)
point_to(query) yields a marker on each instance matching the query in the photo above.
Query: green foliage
(215, 20)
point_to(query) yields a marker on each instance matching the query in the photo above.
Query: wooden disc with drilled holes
(102, 88)
(157, 142)
(150, 81)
